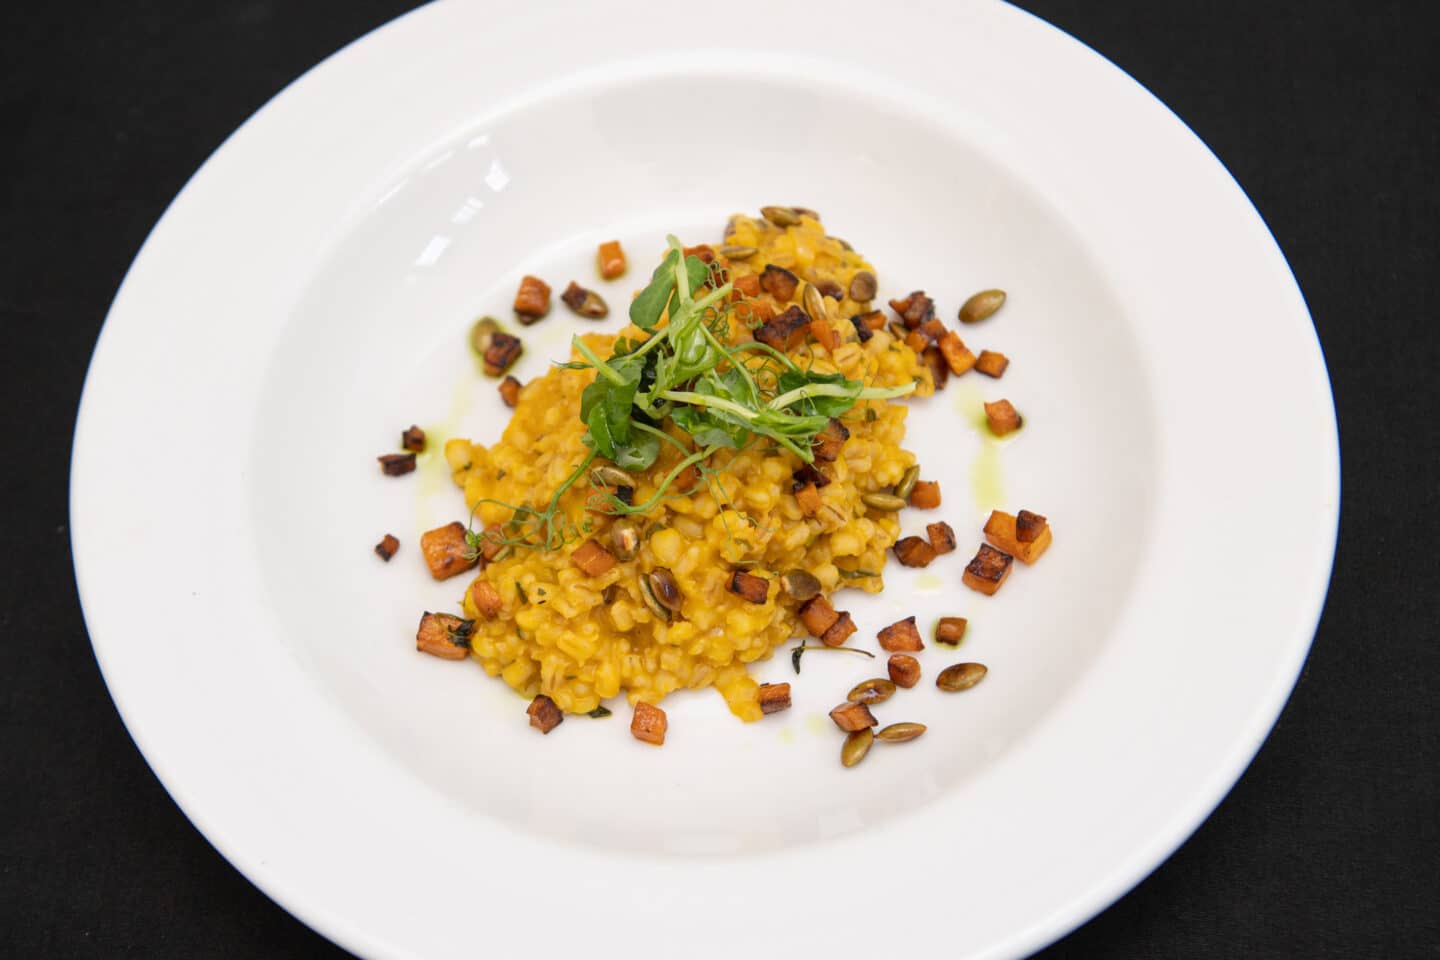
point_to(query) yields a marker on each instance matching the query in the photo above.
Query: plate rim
(1142, 862)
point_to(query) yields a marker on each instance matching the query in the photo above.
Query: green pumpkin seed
(961, 676)
(731, 251)
(647, 594)
(906, 486)
(877, 690)
(800, 584)
(482, 333)
(814, 303)
(883, 501)
(982, 305)
(863, 286)
(612, 476)
(900, 732)
(625, 538)
(857, 744)
(897, 330)
(780, 216)
(665, 589)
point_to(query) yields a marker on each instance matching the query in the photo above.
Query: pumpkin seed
(814, 303)
(732, 251)
(665, 589)
(862, 286)
(800, 584)
(612, 476)
(610, 594)
(482, 333)
(897, 330)
(981, 305)
(900, 732)
(857, 744)
(806, 212)
(883, 501)
(961, 676)
(877, 690)
(647, 594)
(906, 486)
(625, 538)
(780, 216)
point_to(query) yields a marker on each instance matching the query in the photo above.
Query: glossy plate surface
(314, 284)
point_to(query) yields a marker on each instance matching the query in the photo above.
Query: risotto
(674, 600)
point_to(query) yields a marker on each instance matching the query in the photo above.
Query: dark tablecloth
(1326, 113)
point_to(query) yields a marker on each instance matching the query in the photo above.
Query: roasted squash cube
(841, 630)
(957, 356)
(510, 391)
(1001, 529)
(925, 495)
(610, 259)
(774, 697)
(544, 714)
(830, 440)
(809, 499)
(988, 570)
(1003, 417)
(592, 559)
(942, 537)
(902, 636)
(485, 598)
(387, 547)
(817, 616)
(446, 551)
(649, 723)
(853, 716)
(779, 283)
(904, 670)
(532, 300)
(749, 587)
(444, 635)
(951, 630)
(914, 552)
(992, 364)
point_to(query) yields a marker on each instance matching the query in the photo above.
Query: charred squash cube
(446, 551)
(902, 636)
(841, 630)
(939, 369)
(413, 439)
(914, 309)
(914, 552)
(544, 714)
(817, 616)
(1002, 530)
(853, 716)
(779, 283)
(992, 364)
(1003, 417)
(951, 630)
(396, 464)
(592, 559)
(510, 391)
(774, 697)
(444, 635)
(786, 331)
(1029, 526)
(749, 587)
(809, 500)
(387, 547)
(829, 441)
(504, 349)
(904, 670)
(942, 537)
(957, 356)
(988, 570)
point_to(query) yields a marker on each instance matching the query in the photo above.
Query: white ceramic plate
(308, 294)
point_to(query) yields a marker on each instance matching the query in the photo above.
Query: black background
(1326, 113)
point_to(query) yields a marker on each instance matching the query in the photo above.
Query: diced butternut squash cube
(992, 364)
(830, 440)
(779, 283)
(444, 635)
(610, 259)
(1001, 530)
(532, 300)
(774, 697)
(926, 495)
(942, 536)
(809, 499)
(1029, 526)
(446, 551)
(749, 587)
(841, 630)
(904, 670)
(951, 630)
(988, 570)
(853, 716)
(592, 558)
(486, 598)
(902, 636)
(649, 723)
(510, 391)
(914, 552)
(957, 356)
(1003, 417)
(817, 616)
(544, 714)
